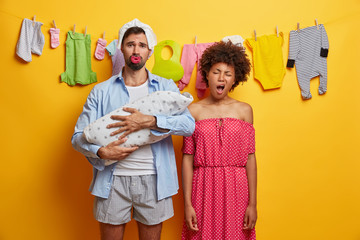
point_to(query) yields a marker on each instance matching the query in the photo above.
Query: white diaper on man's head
(149, 33)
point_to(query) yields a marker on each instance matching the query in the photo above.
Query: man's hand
(114, 152)
(132, 123)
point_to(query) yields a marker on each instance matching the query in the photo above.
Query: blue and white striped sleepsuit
(308, 50)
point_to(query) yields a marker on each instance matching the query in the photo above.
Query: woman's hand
(190, 218)
(250, 218)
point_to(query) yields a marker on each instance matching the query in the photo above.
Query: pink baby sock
(55, 39)
(100, 49)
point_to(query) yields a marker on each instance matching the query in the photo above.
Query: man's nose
(136, 49)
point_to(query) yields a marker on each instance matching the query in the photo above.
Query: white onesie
(31, 40)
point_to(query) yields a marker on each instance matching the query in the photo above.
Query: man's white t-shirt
(140, 162)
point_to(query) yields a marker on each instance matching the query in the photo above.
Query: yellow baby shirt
(269, 68)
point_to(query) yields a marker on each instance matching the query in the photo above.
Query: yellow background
(307, 151)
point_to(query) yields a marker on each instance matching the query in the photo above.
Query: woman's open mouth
(220, 89)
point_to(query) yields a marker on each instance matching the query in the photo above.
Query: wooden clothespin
(54, 23)
(34, 19)
(74, 29)
(277, 31)
(316, 22)
(255, 35)
(104, 35)
(195, 40)
(85, 31)
(298, 26)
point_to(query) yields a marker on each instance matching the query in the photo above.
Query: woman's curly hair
(230, 54)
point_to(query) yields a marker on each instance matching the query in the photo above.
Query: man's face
(135, 45)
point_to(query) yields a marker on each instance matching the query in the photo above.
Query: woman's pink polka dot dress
(219, 189)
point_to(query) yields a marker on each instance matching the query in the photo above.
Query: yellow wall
(307, 151)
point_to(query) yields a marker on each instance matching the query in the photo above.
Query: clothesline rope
(329, 22)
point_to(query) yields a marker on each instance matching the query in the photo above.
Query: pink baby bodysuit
(190, 55)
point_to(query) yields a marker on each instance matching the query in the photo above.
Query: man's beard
(135, 66)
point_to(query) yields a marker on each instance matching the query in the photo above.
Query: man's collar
(151, 77)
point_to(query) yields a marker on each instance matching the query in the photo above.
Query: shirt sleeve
(188, 60)
(251, 141)
(88, 115)
(182, 124)
(294, 48)
(324, 42)
(188, 145)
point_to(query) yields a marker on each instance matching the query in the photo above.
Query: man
(143, 178)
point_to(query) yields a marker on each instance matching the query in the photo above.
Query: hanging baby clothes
(78, 60)
(31, 40)
(100, 49)
(190, 55)
(268, 60)
(117, 57)
(308, 50)
(234, 39)
(171, 68)
(54, 37)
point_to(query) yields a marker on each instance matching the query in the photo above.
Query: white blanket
(164, 103)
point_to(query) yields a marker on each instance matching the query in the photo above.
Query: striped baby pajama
(308, 50)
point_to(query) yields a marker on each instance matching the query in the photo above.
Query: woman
(219, 165)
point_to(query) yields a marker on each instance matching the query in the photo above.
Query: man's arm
(95, 153)
(133, 122)
(182, 124)
(78, 141)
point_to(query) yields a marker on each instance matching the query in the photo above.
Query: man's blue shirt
(112, 94)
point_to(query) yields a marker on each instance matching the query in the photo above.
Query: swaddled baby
(164, 103)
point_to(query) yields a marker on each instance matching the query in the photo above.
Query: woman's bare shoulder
(196, 108)
(245, 111)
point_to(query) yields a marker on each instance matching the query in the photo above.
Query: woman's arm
(251, 212)
(251, 172)
(187, 177)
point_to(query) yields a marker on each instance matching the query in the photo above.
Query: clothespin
(104, 35)
(255, 35)
(34, 20)
(298, 26)
(277, 31)
(85, 31)
(54, 23)
(195, 40)
(74, 29)
(316, 22)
